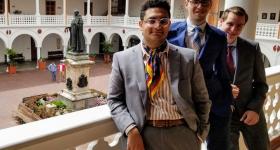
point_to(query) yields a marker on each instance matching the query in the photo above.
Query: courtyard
(29, 81)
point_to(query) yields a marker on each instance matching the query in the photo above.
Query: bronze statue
(77, 40)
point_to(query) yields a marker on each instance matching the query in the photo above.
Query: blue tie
(196, 41)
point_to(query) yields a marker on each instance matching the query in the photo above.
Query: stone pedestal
(77, 91)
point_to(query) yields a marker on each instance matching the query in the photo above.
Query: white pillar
(87, 48)
(126, 11)
(64, 13)
(37, 8)
(38, 56)
(88, 12)
(37, 13)
(64, 50)
(251, 7)
(109, 11)
(6, 12)
(172, 5)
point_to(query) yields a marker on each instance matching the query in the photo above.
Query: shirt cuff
(131, 126)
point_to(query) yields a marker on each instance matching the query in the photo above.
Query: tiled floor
(29, 81)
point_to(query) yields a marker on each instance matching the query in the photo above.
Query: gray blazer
(250, 77)
(127, 94)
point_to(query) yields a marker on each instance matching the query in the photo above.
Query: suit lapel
(137, 61)
(174, 64)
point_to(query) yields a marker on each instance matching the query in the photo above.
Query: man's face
(155, 26)
(198, 10)
(233, 26)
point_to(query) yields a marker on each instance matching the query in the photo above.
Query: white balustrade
(116, 20)
(95, 126)
(267, 30)
(133, 21)
(2, 20)
(99, 20)
(21, 20)
(52, 20)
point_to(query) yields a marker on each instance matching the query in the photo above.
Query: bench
(19, 58)
(55, 54)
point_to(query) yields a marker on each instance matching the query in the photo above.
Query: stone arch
(3, 47)
(57, 32)
(132, 40)
(116, 40)
(27, 46)
(51, 42)
(96, 41)
(31, 33)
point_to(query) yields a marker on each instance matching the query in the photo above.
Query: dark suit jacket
(250, 77)
(127, 94)
(212, 60)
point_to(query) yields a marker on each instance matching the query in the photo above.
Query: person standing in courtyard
(52, 68)
(157, 95)
(246, 67)
(210, 44)
(61, 69)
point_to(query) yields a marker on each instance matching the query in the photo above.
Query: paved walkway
(33, 82)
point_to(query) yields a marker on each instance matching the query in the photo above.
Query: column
(38, 55)
(6, 12)
(109, 10)
(126, 11)
(213, 15)
(88, 12)
(172, 5)
(64, 50)
(64, 13)
(37, 13)
(87, 48)
(251, 7)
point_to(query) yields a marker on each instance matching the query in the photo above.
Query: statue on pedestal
(77, 40)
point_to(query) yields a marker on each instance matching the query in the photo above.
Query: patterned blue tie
(196, 41)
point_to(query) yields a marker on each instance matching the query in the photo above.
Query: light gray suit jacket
(127, 94)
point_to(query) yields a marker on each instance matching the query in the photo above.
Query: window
(85, 8)
(2, 7)
(50, 7)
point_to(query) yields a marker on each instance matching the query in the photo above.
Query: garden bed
(44, 106)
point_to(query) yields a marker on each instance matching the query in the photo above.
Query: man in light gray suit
(246, 67)
(157, 93)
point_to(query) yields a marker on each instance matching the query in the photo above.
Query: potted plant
(11, 53)
(41, 63)
(92, 55)
(107, 49)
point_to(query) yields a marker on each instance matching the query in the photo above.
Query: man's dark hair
(163, 4)
(239, 11)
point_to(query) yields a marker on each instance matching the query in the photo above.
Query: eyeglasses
(162, 21)
(203, 3)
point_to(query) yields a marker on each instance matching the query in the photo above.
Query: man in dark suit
(249, 86)
(157, 95)
(210, 44)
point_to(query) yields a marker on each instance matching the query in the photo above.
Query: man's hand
(134, 140)
(250, 117)
(234, 90)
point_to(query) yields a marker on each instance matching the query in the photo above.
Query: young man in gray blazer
(249, 86)
(157, 94)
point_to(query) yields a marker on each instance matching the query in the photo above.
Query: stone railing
(267, 30)
(99, 20)
(22, 20)
(52, 20)
(2, 20)
(93, 128)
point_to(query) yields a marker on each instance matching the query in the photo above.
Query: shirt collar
(146, 54)
(234, 44)
(191, 26)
